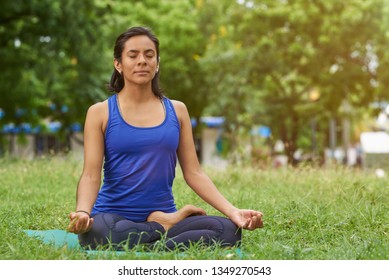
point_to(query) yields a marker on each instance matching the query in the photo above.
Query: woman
(137, 134)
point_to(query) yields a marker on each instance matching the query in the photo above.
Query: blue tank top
(139, 165)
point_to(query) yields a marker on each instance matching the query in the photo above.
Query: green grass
(315, 214)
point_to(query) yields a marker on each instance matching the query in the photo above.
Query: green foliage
(57, 53)
(52, 58)
(273, 55)
(309, 214)
(253, 62)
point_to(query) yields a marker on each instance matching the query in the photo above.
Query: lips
(143, 72)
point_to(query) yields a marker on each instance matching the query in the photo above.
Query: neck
(136, 93)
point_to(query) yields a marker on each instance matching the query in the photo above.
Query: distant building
(375, 150)
(208, 147)
(25, 141)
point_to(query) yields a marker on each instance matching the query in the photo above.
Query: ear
(158, 61)
(118, 65)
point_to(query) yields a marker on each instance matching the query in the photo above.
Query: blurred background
(268, 83)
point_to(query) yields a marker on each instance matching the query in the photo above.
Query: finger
(79, 224)
(253, 223)
(91, 220)
(84, 224)
(259, 222)
(74, 221)
(72, 224)
(87, 225)
(70, 228)
(246, 224)
(76, 227)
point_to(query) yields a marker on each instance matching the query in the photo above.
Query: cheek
(127, 63)
(153, 63)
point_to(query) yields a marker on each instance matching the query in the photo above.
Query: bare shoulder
(98, 114)
(180, 108)
(98, 108)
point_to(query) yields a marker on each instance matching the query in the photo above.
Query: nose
(142, 59)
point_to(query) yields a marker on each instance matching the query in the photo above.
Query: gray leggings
(123, 233)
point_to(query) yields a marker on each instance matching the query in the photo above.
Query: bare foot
(167, 220)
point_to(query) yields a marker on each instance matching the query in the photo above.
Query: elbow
(91, 178)
(192, 177)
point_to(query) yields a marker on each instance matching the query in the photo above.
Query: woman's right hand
(80, 222)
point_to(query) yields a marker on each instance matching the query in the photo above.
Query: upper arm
(95, 122)
(186, 149)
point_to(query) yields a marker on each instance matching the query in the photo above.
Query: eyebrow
(137, 51)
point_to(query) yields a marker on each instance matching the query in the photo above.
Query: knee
(229, 233)
(232, 234)
(100, 231)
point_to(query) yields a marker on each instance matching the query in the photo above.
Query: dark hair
(116, 83)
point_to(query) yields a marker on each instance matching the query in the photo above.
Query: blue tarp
(51, 127)
(263, 131)
(209, 121)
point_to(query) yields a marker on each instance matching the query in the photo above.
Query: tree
(291, 48)
(224, 64)
(52, 59)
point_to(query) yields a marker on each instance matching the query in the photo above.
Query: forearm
(205, 188)
(87, 190)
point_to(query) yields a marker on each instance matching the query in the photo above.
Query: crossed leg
(167, 220)
(209, 230)
(187, 225)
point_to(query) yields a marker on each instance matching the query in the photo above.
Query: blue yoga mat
(61, 238)
(58, 238)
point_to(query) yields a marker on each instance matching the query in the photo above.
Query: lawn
(309, 214)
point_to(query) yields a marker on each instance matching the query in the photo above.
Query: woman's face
(139, 62)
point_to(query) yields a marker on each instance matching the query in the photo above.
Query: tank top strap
(170, 111)
(112, 103)
(112, 109)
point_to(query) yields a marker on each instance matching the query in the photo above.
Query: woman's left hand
(247, 219)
